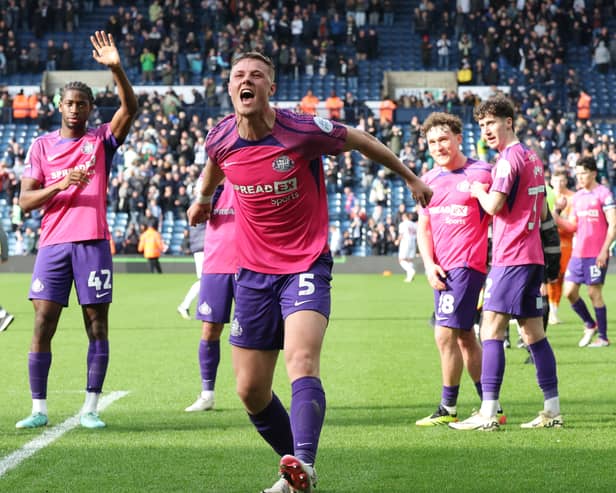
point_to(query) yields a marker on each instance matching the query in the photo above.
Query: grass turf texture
(380, 372)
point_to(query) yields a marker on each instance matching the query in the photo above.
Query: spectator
(45, 111)
(309, 103)
(602, 57)
(52, 55)
(443, 48)
(386, 110)
(583, 106)
(148, 61)
(492, 75)
(426, 51)
(152, 246)
(334, 105)
(465, 73)
(66, 57)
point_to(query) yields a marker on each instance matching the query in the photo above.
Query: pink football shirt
(77, 213)
(219, 249)
(279, 189)
(515, 229)
(459, 224)
(589, 206)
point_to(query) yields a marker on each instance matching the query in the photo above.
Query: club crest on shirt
(503, 168)
(282, 164)
(325, 125)
(463, 186)
(87, 148)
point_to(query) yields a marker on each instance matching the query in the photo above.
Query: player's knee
(254, 397)
(211, 332)
(302, 363)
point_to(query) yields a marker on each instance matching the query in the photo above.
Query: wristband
(204, 199)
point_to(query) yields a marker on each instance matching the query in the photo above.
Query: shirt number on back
(536, 191)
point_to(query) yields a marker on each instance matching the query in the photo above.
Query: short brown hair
(588, 163)
(498, 106)
(561, 172)
(439, 119)
(255, 55)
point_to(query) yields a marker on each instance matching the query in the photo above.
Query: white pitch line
(32, 447)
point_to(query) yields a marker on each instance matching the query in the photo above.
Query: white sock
(450, 409)
(2, 313)
(39, 406)
(488, 408)
(193, 292)
(552, 406)
(408, 267)
(91, 402)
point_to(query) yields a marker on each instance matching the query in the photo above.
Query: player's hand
(435, 275)
(198, 213)
(477, 188)
(602, 259)
(105, 51)
(560, 204)
(422, 193)
(75, 177)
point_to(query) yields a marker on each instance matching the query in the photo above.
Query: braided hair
(79, 86)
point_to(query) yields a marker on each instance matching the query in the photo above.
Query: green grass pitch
(380, 371)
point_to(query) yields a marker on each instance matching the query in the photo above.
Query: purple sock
(209, 358)
(273, 425)
(91, 351)
(307, 414)
(449, 395)
(579, 307)
(545, 364)
(601, 314)
(492, 368)
(98, 359)
(38, 370)
(479, 390)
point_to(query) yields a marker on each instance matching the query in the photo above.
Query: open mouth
(246, 95)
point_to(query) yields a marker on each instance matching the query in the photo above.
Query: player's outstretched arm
(106, 53)
(374, 149)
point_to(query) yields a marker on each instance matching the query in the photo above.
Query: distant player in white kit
(407, 246)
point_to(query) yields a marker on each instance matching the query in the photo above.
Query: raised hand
(105, 51)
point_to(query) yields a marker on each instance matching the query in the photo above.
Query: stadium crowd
(155, 171)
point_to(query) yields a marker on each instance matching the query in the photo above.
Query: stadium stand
(542, 55)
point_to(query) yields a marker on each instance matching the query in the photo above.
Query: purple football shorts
(87, 263)
(515, 290)
(456, 306)
(215, 298)
(264, 301)
(585, 271)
